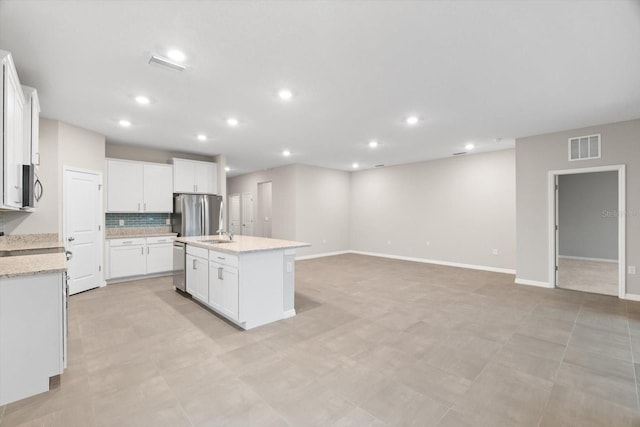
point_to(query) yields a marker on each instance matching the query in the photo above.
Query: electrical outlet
(121, 222)
(495, 252)
(631, 269)
(167, 221)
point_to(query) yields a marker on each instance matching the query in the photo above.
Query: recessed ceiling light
(355, 166)
(124, 123)
(202, 137)
(142, 100)
(285, 94)
(469, 146)
(232, 121)
(227, 168)
(176, 55)
(412, 120)
(373, 143)
(286, 153)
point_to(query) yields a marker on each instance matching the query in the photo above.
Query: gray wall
(584, 231)
(61, 145)
(309, 204)
(322, 209)
(535, 156)
(452, 210)
(283, 210)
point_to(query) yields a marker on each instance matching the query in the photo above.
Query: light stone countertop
(31, 265)
(25, 242)
(241, 244)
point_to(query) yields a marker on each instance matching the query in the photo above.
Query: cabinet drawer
(159, 239)
(223, 258)
(126, 242)
(199, 252)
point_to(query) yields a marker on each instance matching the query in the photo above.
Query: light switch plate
(167, 221)
(631, 269)
(121, 222)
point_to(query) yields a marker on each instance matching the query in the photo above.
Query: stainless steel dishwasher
(179, 279)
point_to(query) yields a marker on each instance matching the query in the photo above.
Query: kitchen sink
(216, 241)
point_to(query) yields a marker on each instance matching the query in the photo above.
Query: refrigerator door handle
(202, 216)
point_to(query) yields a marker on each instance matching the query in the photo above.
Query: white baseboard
(289, 313)
(304, 257)
(588, 259)
(632, 297)
(533, 283)
(132, 278)
(437, 262)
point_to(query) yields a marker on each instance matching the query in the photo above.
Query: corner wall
(453, 210)
(536, 156)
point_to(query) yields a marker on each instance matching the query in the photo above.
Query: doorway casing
(552, 204)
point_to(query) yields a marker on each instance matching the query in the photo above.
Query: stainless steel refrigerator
(193, 215)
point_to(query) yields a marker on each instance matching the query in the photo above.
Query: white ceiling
(472, 71)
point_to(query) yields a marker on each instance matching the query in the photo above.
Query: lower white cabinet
(127, 258)
(139, 256)
(224, 289)
(159, 254)
(197, 270)
(33, 334)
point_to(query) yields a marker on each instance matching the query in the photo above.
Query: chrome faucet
(227, 233)
(221, 231)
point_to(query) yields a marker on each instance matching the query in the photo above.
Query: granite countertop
(241, 244)
(30, 265)
(26, 242)
(127, 236)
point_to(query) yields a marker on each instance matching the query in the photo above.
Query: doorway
(588, 230)
(82, 228)
(263, 228)
(235, 220)
(247, 214)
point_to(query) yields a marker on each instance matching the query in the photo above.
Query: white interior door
(247, 214)
(82, 228)
(235, 221)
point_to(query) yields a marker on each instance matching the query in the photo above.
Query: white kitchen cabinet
(31, 149)
(191, 176)
(12, 133)
(127, 257)
(139, 187)
(33, 334)
(197, 270)
(224, 289)
(159, 254)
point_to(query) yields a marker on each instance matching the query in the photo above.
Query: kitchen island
(248, 280)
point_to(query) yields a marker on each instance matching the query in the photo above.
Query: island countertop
(241, 244)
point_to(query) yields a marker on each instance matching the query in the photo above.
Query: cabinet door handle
(222, 258)
(128, 242)
(195, 264)
(138, 207)
(142, 250)
(220, 273)
(147, 250)
(145, 207)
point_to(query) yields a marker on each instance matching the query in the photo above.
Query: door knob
(71, 239)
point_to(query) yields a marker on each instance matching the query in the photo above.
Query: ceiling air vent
(460, 153)
(584, 147)
(165, 62)
(378, 166)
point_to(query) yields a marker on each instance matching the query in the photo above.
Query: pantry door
(82, 224)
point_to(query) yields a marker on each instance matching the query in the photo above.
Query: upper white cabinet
(139, 187)
(13, 103)
(191, 176)
(31, 149)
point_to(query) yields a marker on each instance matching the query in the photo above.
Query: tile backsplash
(112, 220)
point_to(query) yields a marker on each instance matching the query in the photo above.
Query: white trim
(289, 313)
(581, 258)
(622, 208)
(632, 297)
(437, 262)
(533, 283)
(140, 277)
(322, 255)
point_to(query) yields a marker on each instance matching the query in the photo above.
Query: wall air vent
(584, 147)
(461, 153)
(165, 62)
